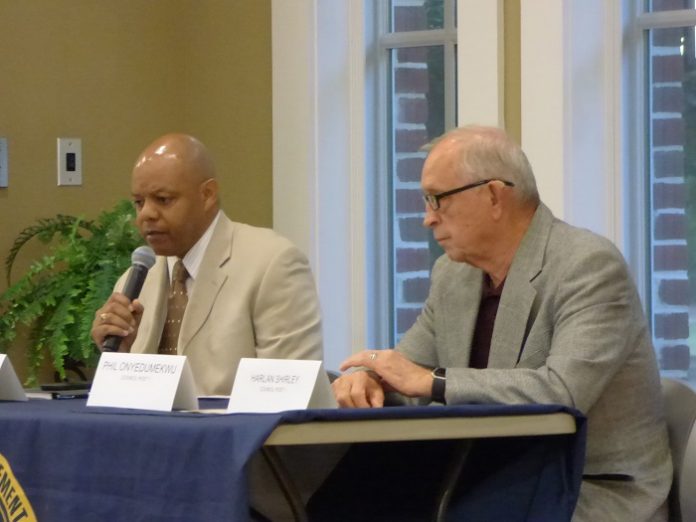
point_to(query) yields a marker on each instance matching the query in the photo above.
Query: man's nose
(430, 218)
(147, 211)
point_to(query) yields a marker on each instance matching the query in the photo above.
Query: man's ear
(495, 197)
(209, 191)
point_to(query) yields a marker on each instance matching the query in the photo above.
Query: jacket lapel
(208, 283)
(510, 330)
(154, 293)
(463, 293)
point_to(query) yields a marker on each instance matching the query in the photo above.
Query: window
(668, 58)
(333, 157)
(414, 61)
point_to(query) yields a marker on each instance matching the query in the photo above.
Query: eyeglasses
(433, 200)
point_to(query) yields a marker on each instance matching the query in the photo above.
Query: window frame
(382, 276)
(321, 150)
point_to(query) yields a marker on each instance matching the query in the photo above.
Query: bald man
(524, 308)
(250, 291)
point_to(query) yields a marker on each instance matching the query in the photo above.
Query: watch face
(439, 372)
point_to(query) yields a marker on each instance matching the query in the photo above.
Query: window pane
(417, 117)
(670, 5)
(416, 15)
(672, 159)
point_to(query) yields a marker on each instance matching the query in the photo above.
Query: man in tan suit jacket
(250, 291)
(524, 308)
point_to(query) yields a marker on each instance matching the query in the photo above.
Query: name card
(143, 381)
(273, 385)
(10, 387)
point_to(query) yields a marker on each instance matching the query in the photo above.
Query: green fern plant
(60, 292)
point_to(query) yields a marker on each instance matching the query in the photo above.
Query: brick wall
(669, 191)
(411, 109)
(671, 298)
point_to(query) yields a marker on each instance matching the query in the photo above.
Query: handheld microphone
(142, 260)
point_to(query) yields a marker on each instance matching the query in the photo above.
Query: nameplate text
(143, 381)
(273, 385)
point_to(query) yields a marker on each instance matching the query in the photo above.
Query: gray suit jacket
(569, 330)
(254, 297)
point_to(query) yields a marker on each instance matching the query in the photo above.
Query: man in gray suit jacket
(524, 308)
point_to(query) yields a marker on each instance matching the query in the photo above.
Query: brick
(409, 169)
(667, 37)
(667, 68)
(670, 226)
(669, 195)
(405, 317)
(412, 229)
(674, 292)
(668, 131)
(412, 259)
(668, 99)
(668, 164)
(409, 201)
(672, 326)
(413, 110)
(410, 140)
(670, 257)
(675, 357)
(410, 81)
(409, 18)
(412, 54)
(415, 290)
(663, 5)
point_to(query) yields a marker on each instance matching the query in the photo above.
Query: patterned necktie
(176, 305)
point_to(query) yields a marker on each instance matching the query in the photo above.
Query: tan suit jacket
(569, 330)
(254, 297)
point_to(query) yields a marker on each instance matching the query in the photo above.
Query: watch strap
(439, 384)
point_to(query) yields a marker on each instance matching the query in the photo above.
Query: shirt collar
(192, 259)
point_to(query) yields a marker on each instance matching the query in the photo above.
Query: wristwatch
(439, 382)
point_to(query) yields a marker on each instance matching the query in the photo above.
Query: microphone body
(142, 260)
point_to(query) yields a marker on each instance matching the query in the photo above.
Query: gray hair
(489, 153)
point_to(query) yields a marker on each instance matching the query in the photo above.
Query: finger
(376, 397)
(350, 362)
(117, 298)
(366, 358)
(342, 393)
(118, 318)
(136, 307)
(361, 401)
(366, 390)
(120, 305)
(358, 394)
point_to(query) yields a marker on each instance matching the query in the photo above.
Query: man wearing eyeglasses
(524, 308)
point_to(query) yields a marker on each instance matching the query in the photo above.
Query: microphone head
(144, 256)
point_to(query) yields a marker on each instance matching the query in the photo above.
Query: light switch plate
(4, 167)
(69, 161)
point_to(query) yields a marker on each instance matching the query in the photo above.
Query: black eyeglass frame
(433, 200)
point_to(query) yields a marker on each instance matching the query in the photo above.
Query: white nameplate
(10, 387)
(143, 381)
(273, 385)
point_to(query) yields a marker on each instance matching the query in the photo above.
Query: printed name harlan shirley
(274, 379)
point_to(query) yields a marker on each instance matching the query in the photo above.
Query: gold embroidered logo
(14, 506)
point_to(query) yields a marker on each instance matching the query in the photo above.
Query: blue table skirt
(97, 464)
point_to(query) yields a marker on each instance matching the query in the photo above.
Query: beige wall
(512, 88)
(118, 74)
